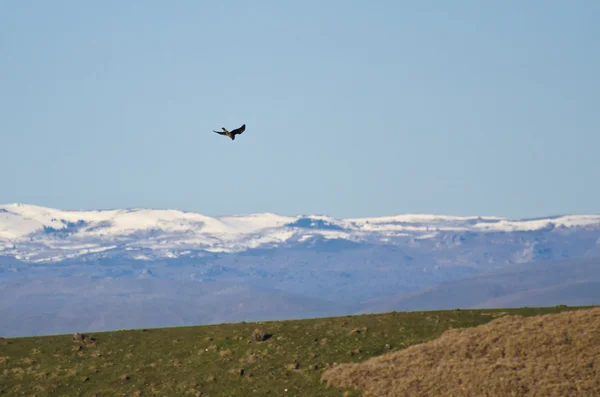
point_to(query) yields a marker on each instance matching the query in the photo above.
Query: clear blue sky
(353, 108)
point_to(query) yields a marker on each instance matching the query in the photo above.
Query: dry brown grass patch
(29, 361)
(259, 335)
(358, 330)
(549, 355)
(225, 353)
(211, 379)
(250, 358)
(237, 371)
(211, 348)
(292, 366)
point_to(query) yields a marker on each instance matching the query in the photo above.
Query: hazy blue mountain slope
(35, 307)
(581, 293)
(529, 284)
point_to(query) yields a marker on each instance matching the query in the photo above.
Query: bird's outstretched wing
(239, 130)
(220, 132)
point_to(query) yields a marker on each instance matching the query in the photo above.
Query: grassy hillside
(552, 355)
(279, 358)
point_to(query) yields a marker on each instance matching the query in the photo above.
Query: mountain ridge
(26, 230)
(359, 263)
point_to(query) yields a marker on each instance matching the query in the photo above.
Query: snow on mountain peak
(62, 233)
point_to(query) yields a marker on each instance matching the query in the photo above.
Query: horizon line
(301, 215)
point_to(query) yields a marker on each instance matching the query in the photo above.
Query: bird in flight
(232, 133)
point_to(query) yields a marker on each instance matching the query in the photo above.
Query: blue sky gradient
(353, 108)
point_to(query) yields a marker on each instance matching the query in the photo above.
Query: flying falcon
(233, 133)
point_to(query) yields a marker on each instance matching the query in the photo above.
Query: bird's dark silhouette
(232, 133)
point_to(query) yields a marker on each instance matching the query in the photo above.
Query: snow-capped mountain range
(67, 271)
(37, 234)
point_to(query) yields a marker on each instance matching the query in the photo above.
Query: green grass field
(220, 360)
